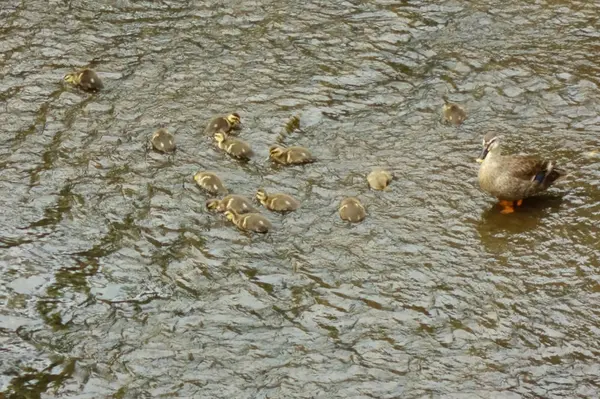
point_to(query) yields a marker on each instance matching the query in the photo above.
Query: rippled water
(116, 282)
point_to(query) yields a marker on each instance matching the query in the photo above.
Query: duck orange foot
(509, 206)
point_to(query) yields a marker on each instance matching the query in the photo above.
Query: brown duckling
(234, 147)
(235, 203)
(290, 155)
(379, 179)
(352, 210)
(226, 124)
(454, 113)
(163, 141)
(277, 202)
(210, 182)
(86, 79)
(249, 221)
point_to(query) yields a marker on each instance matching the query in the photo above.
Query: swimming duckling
(379, 179)
(352, 210)
(86, 79)
(234, 147)
(210, 182)
(290, 155)
(163, 141)
(223, 124)
(249, 221)
(454, 113)
(277, 202)
(235, 203)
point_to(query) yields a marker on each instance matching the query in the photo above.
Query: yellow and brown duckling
(379, 179)
(352, 210)
(454, 114)
(249, 221)
(227, 124)
(210, 182)
(277, 202)
(234, 147)
(163, 141)
(290, 155)
(86, 79)
(235, 203)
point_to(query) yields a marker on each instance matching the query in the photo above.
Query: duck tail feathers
(553, 174)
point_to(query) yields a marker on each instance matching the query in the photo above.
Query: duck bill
(483, 154)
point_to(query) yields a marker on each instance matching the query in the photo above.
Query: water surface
(117, 283)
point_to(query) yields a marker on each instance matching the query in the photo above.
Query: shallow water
(116, 282)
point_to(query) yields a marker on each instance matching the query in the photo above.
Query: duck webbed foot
(507, 207)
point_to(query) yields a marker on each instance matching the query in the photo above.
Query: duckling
(226, 124)
(249, 221)
(234, 147)
(235, 203)
(163, 141)
(290, 155)
(86, 79)
(379, 179)
(454, 113)
(352, 210)
(210, 182)
(277, 202)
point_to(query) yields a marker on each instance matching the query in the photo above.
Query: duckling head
(220, 137)
(276, 151)
(72, 78)
(233, 119)
(451, 107)
(261, 194)
(159, 133)
(230, 216)
(199, 176)
(491, 143)
(212, 204)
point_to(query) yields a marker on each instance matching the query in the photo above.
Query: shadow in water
(497, 230)
(524, 218)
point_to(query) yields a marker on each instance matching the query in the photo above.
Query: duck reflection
(526, 217)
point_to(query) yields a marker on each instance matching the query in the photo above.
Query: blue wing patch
(539, 177)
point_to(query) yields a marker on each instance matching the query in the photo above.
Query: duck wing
(533, 169)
